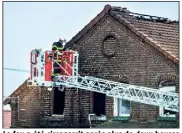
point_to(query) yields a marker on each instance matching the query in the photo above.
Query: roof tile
(159, 32)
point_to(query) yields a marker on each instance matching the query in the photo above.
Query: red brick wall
(6, 118)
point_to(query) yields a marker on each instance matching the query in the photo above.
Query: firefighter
(57, 48)
(58, 45)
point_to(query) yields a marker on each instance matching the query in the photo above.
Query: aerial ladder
(42, 67)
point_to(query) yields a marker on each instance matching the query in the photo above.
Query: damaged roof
(160, 32)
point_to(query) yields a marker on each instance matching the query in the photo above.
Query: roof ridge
(145, 17)
(144, 36)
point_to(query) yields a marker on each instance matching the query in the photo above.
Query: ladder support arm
(168, 100)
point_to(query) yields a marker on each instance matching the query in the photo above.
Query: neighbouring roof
(6, 118)
(161, 33)
(16, 92)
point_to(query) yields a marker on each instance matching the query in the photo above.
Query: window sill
(166, 118)
(54, 117)
(121, 118)
(58, 116)
(98, 118)
(103, 118)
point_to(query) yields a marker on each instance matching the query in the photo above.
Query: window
(169, 87)
(58, 101)
(109, 45)
(122, 107)
(99, 103)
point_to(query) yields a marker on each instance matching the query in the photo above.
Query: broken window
(98, 103)
(58, 101)
(167, 86)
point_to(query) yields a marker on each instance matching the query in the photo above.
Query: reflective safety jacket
(57, 46)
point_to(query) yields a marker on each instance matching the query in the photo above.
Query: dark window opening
(99, 103)
(59, 100)
(169, 112)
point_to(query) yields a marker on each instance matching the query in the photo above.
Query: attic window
(109, 45)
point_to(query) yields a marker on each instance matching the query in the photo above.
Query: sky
(30, 25)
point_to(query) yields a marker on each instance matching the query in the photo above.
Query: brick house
(116, 45)
(6, 117)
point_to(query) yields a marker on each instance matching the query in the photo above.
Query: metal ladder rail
(142, 94)
(170, 101)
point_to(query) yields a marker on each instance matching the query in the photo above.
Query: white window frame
(161, 109)
(117, 107)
